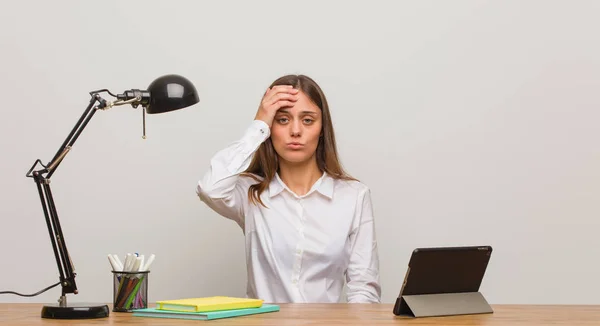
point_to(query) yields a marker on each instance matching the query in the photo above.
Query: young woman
(307, 224)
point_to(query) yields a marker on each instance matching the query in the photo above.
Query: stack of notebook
(206, 308)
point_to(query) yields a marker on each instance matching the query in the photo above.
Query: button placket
(299, 246)
(300, 209)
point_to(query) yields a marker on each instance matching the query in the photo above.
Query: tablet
(441, 270)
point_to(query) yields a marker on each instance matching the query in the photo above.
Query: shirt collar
(324, 186)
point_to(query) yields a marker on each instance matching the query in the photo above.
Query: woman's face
(295, 131)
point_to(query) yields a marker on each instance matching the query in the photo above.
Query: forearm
(362, 274)
(220, 186)
(365, 288)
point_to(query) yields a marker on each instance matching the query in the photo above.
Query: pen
(141, 263)
(118, 261)
(150, 260)
(128, 263)
(136, 266)
(113, 263)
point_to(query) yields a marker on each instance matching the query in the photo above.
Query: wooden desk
(331, 314)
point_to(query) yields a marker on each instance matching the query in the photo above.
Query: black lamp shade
(171, 92)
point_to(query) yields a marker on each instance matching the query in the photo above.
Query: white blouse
(299, 248)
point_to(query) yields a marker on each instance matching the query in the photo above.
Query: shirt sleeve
(362, 275)
(221, 187)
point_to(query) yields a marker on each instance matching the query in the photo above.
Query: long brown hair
(265, 162)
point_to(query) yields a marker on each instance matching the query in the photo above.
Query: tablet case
(443, 304)
(444, 282)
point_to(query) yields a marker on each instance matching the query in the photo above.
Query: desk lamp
(166, 93)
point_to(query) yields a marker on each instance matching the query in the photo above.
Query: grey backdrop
(473, 122)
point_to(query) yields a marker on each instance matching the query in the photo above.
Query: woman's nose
(295, 128)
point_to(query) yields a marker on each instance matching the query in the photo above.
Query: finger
(270, 98)
(282, 88)
(282, 96)
(277, 87)
(283, 104)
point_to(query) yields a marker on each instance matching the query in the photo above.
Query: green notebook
(158, 313)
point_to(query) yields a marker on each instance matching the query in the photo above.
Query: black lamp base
(75, 311)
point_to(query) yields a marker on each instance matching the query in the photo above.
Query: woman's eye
(282, 120)
(308, 121)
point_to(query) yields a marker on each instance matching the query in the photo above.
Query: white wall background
(473, 122)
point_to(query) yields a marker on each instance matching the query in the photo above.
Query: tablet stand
(442, 304)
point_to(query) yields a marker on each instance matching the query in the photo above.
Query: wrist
(264, 119)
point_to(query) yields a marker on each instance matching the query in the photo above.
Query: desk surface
(332, 314)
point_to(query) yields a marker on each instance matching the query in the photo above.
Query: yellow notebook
(208, 304)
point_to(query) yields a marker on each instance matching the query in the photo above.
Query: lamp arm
(42, 179)
(75, 132)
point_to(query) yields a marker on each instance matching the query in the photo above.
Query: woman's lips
(295, 145)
